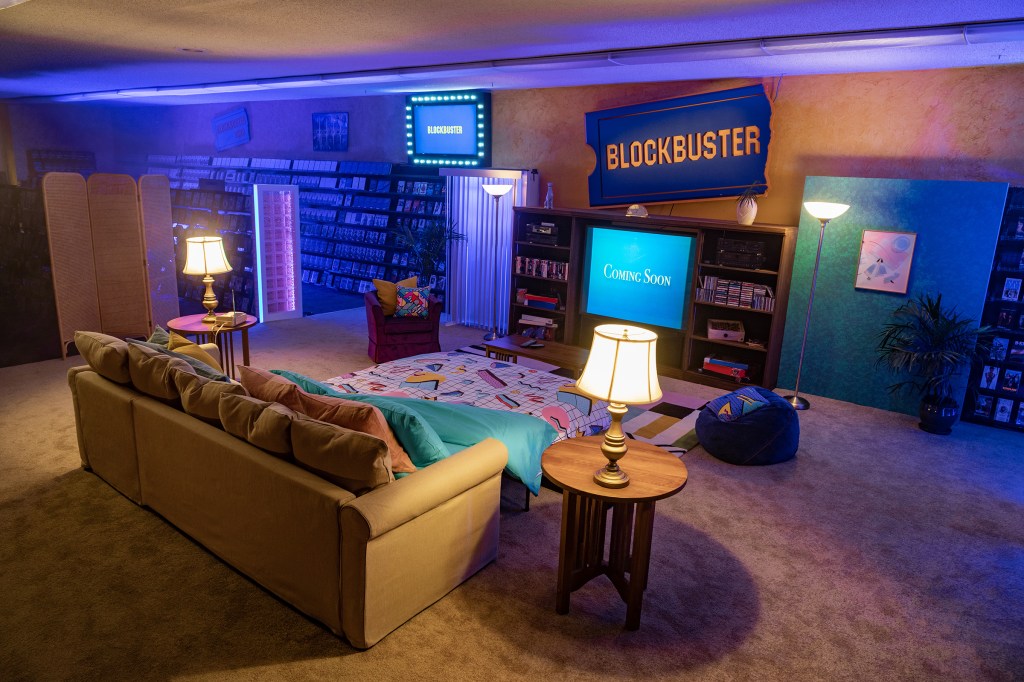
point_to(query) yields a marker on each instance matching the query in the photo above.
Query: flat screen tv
(449, 129)
(638, 276)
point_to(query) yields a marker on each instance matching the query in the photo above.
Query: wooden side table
(224, 337)
(653, 475)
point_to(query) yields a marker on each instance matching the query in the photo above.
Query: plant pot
(938, 417)
(746, 211)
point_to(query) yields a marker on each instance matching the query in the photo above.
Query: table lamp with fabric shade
(622, 369)
(205, 256)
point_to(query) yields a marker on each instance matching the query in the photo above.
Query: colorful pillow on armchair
(412, 301)
(387, 292)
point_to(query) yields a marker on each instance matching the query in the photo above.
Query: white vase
(746, 211)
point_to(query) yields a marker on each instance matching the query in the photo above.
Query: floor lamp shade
(622, 368)
(496, 191)
(824, 211)
(205, 256)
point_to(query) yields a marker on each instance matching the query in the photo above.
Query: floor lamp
(824, 212)
(496, 191)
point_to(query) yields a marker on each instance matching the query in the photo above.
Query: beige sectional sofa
(362, 566)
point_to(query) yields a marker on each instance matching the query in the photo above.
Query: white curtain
(479, 267)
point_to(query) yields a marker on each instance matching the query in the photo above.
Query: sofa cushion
(152, 372)
(200, 397)
(107, 355)
(387, 292)
(351, 460)
(349, 414)
(264, 424)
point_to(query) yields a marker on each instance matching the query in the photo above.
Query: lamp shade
(622, 366)
(497, 190)
(205, 256)
(824, 210)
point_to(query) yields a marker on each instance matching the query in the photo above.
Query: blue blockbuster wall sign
(231, 129)
(699, 147)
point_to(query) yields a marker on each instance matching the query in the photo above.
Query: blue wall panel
(957, 225)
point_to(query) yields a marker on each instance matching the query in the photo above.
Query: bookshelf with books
(351, 212)
(995, 396)
(545, 255)
(733, 314)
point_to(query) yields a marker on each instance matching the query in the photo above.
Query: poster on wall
(231, 129)
(330, 132)
(713, 145)
(885, 259)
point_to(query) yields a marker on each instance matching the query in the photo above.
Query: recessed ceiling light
(196, 50)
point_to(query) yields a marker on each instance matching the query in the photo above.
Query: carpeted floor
(879, 553)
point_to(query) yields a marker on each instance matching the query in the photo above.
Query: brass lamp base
(209, 301)
(608, 477)
(614, 448)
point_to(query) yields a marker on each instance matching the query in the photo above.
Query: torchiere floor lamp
(496, 191)
(824, 212)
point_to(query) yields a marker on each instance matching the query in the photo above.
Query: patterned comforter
(460, 377)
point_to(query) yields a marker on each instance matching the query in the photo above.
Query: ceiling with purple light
(145, 51)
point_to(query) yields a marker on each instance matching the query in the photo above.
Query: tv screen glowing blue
(445, 129)
(641, 277)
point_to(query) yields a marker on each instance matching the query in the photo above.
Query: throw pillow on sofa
(178, 346)
(200, 397)
(263, 424)
(412, 302)
(345, 413)
(351, 460)
(106, 355)
(152, 372)
(414, 432)
(387, 292)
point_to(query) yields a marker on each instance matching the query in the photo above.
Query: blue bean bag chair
(751, 426)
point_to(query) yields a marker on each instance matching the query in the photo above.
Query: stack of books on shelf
(726, 368)
(735, 293)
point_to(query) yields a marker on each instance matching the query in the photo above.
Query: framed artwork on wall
(330, 132)
(885, 258)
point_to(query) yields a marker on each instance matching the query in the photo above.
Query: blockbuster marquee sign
(699, 147)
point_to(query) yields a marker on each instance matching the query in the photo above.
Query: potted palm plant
(929, 343)
(428, 246)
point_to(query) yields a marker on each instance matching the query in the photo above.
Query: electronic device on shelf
(542, 233)
(741, 253)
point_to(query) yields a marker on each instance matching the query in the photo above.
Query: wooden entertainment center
(740, 274)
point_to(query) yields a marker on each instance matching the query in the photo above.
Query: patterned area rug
(668, 423)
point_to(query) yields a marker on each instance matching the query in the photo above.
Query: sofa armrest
(388, 507)
(409, 543)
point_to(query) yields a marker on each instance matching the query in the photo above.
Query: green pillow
(201, 368)
(414, 433)
(160, 337)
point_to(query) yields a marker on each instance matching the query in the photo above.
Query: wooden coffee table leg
(643, 531)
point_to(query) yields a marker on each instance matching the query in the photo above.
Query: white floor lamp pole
(496, 191)
(824, 212)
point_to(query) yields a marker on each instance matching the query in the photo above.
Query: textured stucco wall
(957, 225)
(956, 124)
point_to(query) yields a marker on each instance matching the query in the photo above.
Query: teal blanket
(430, 430)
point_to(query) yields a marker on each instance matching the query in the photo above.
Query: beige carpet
(879, 553)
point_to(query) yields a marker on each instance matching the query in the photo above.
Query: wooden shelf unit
(681, 353)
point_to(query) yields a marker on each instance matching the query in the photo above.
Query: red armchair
(393, 337)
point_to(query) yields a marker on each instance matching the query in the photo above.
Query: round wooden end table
(653, 475)
(224, 337)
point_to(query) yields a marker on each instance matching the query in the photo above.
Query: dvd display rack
(43, 161)
(995, 396)
(351, 212)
